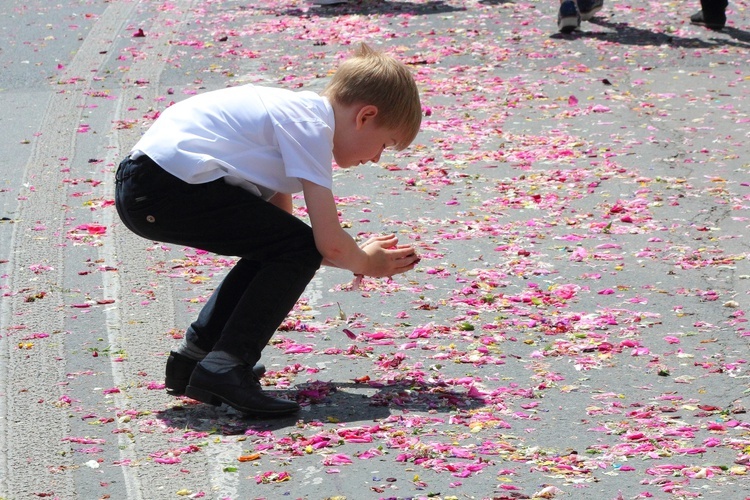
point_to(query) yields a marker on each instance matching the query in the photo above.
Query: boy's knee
(308, 254)
(313, 260)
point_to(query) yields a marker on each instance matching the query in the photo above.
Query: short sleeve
(306, 150)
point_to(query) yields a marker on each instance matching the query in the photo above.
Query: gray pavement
(576, 328)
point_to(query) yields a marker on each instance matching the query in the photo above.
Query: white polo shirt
(268, 137)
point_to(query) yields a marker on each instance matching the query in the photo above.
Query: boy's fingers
(406, 253)
(406, 263)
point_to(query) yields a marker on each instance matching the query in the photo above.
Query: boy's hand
(379, 256)
(386, 257)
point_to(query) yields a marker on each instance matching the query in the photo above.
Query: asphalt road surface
(577, 326)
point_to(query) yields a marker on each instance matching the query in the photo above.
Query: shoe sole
(586, 16)
(568, 24)
(714, 27)
(210, 398)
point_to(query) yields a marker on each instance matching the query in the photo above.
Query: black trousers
(276, 250)
(713, 8)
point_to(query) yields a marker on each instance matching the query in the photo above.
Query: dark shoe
(587, 8)
(179, 369)
(568, 18)
(239, 388)
(715, 22)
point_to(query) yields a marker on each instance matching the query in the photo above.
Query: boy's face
(358, 139)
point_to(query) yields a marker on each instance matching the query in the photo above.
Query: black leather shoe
(715, 22)
(240, 389)
(180, 367)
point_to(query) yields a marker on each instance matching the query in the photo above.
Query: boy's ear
(365, 113)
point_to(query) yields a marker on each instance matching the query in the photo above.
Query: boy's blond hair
(371, 77)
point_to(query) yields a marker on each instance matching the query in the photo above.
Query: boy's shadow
(376, 7)
(623, 33)
(326, 402)
(739, 35)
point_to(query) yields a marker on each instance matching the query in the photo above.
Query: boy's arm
(282, 201)
(382, 256)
